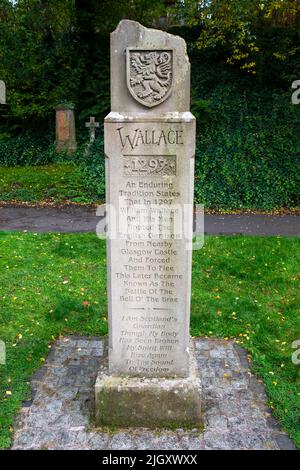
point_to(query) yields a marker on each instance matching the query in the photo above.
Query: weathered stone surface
(2, 92)
(149, 278)
(149, 402)
(65, 129)
(92, 125)
(149, 149)
(244, 423)
(131, 38)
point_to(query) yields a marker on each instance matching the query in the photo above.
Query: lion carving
(151, 75)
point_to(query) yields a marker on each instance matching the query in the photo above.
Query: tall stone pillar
(149, 150)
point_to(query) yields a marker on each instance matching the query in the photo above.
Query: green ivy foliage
(91, 161)
(248, 149)
(28, 148)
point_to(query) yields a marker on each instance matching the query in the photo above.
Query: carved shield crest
(149, 75)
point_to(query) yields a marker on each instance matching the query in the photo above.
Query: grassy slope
(51, 183)
(243, 287)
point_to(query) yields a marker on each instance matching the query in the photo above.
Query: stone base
(152, 403)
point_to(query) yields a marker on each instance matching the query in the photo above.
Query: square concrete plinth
(149, 402)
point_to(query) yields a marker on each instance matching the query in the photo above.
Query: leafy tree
(58, 50)
(260, 36)
(39, 61)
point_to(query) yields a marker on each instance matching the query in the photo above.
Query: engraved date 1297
(154, 165)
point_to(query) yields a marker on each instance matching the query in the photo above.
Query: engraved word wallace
(152, 136)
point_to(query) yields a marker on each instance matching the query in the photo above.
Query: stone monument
(92, 126)
(65, 129)
(2, 92)
(149, 150)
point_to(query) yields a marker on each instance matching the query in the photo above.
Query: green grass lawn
(243, 288)
(57, 183)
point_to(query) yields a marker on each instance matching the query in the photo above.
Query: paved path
(84, 219)
(58, 417)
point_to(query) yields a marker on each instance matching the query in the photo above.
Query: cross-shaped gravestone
(92, 124)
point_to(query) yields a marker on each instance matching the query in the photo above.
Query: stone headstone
(149, 149)
(65, 129)
(2, 352)
(92, 125)
(2, 92)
